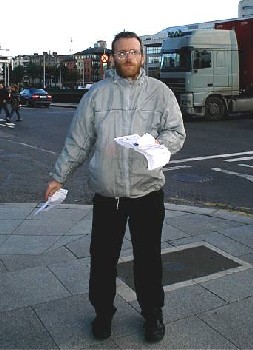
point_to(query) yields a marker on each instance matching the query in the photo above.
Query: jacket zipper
(117, 203)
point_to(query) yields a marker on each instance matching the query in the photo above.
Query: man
(4, 95)
(126, 102)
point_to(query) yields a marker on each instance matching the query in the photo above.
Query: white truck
(210, 71)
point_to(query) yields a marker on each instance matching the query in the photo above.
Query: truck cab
(202, 69)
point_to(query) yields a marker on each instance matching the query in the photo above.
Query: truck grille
(177, 85)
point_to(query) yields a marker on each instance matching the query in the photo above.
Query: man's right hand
(52, 187)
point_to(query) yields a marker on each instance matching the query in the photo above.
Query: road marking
(246, 165)
(238, 159)
(30, 146)
(245, 176)
(176, 161)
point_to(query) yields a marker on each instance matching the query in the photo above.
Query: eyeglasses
(122, 55)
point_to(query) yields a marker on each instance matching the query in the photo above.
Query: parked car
(87, 86)
(35, 97)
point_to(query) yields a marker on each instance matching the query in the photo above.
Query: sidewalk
(44, 269)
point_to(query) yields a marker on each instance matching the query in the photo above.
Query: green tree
(17, 74)
(34, 71)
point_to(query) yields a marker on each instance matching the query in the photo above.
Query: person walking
(15, 102)
(125, 102)
(4, 96)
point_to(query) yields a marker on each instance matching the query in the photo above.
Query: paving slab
(22, 329)
(195, 224)
(82, 227)
(29, 287)
(44, 272)
(3, 238)
(49, 227)
(80, 247)
(184, 209)
(218, 240)
(24, 261)
(224, 214)
(8, 226)
(63, 241)
(248, 258)
(73, 274)
(68, 321)
(242, 234)
(188, 301)
(171, 233)
(15, 211)
(232, 287)
(2, 267)
(18, 244)
(187, 333)
(64, 212)
(228, 321)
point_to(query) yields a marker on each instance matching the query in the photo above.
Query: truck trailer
(210, 71)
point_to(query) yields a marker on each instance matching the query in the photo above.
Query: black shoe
(101, 327)
(154, 330)
(19, 120)
(154, 327)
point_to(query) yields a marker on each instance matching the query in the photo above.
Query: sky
(67, 27)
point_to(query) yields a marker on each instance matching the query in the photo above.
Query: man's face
(129, 66)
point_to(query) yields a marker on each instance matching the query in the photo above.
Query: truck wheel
(215, 108)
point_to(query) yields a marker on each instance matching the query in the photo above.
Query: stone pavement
(44, 273)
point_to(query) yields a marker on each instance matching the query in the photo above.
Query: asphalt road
(214, 168)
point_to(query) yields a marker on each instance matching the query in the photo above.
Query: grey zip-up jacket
(116, 107)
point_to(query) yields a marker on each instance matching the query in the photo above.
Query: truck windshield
(176, 61)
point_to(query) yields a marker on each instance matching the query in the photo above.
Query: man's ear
(142, 60)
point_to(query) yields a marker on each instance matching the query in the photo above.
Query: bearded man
(126, 102)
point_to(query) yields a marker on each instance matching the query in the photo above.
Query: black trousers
(3, 106)
(145, 216)
(16, 110)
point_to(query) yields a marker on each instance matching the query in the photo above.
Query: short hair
(125, 34)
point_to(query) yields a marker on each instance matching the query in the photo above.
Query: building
(92, 63)
(245, 8)
(5, 67)
(44, 69)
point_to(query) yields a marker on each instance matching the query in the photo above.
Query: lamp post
(83, 72)
(44, 70)
(60, 78)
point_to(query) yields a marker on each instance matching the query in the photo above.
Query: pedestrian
(126, 102)
(4, 96)
(15, 102)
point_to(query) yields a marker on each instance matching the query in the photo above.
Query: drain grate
(183, 265)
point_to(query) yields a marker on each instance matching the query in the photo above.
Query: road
(214, 168)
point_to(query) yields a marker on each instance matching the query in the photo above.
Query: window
(176, 61)
(153, 50)
(202, 59)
